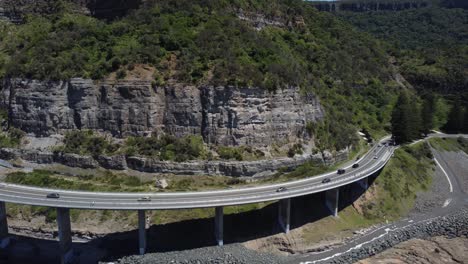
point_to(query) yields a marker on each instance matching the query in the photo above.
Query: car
(375, 157)
(281, 189)
(358, 157)
(356, 165)
(53, 195)
(341, 171)
(326, 180)
(144, 199)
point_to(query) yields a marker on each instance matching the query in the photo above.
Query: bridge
(375, 159)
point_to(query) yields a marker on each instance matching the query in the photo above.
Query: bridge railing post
(64, 233)
(4, 239)
(284, 213)
(219, 232)
(141, 231)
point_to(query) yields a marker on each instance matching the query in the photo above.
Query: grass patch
(105, 183)
(450, 144)
(336, 228)
(409, 172)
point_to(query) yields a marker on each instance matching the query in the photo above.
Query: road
(457, 198)
(373, 161)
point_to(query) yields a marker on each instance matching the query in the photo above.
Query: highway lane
(177, 200)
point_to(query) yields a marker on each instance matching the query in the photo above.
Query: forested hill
(431, 44)
(385, 5)
(270, 44)
(347, 61)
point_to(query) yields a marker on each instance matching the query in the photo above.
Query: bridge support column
(142, 231)
(284, 213)
(364, 183)
(332, 198)
(4, 239)
(64, 233)
(219, 225)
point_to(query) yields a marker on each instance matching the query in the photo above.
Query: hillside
(430, 44)
(257, 44)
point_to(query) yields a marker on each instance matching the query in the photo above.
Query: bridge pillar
(64, 233)
(332, 198)
(284, 213)
(4, 239)
(142, 231)
(219, 225)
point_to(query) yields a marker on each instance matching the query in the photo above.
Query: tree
(427, 114)
(406, 125)
(455, 118)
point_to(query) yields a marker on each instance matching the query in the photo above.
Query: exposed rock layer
(258, 168)
(222, 115)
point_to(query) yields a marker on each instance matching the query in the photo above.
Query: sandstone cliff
(222, 115)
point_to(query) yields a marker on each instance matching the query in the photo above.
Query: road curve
(376, 158)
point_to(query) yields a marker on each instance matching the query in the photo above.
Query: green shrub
(167, 147)
(11, 138)
(230, 153)
(85, 142)
(295, 149)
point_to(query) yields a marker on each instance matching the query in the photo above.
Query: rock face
(259, 168)
(222, 115)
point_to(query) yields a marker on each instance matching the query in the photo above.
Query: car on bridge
(355, 165)
(281, 189)
(341, 171)
(53, 195)
(144, 199)
(326, 180)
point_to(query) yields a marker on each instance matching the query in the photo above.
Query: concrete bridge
(376, 158)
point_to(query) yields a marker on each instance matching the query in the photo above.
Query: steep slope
(430, 44)
(260, 45)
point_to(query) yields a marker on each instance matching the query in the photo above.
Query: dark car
(341, 171)
(53, 195)
(326, 180)
(281, 189)
(144, 199)
(356, 165)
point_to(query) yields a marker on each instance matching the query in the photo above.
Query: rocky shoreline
(453, 225)
(258, 168)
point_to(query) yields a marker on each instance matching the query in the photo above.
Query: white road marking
(446, 203)
(446, 175)
(386, 232)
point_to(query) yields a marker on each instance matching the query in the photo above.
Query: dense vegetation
(431, 44)
(205, 42)
(163, 147)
